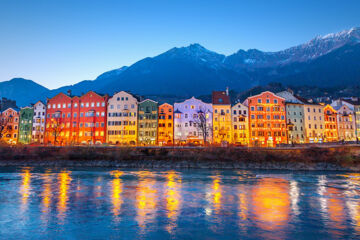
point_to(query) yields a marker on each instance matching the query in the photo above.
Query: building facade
(147, 122)
(122, 119)
(294, 117)
(166, 125)
(193, 122)
(25, 125)
(9, 124)
(267, 120)
(76, 120)
(331, 126)
(346, 123)
(222, 127)
(354, 104)
(38, 128)
(240, 124)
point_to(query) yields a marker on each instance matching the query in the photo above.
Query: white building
(122, 119)
(186, 121)
(39, 119)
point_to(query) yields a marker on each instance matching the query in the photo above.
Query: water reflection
(116, 188)
(42, 204)
(25, 188)
(146, 198)
(173, 198)
(64, 180)
(271, 203)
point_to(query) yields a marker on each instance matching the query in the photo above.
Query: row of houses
(264, 120)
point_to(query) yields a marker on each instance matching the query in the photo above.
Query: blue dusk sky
(61, 42)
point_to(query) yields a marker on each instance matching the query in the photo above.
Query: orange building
(166, 125)
(9, 126)
(267, 120)
(331, 129)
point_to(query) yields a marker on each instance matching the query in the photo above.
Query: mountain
(325, 61)
(23, 91)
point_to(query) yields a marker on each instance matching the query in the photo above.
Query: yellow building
(314, 122)
(122, 119)
(240, 124)
(222, 127)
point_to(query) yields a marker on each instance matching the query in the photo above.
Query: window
(275, 101)
(259, 100)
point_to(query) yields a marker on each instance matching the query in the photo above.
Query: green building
(25, 125)
(147, 122)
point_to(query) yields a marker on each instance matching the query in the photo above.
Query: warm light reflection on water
(25, 188)
(64, 180)
(146, 198)
(117, 188)
(173, 198)
(271, 203)
(192, 204)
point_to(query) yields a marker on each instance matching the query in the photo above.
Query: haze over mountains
(328, 61)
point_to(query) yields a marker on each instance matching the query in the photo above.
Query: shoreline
(334, 158)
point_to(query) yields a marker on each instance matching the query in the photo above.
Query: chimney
(69, 92)
(227, 91)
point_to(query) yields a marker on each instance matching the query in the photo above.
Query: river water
(83, 203)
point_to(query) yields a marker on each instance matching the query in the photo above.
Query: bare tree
(56, 128)
(4, 128)
(202, 124)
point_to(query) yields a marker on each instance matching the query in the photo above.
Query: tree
(55, 129)
(4, 128)
(202, 122)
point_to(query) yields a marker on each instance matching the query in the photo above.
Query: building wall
(185, 115)
(25, 125)
(240, 124)
(38, 128)
(147, 122)
(314, 123)
(357, 120)
(10, 119)
(295, 121)
(346, 124)
(222, 127)
(75, 120)
(166, 125)
(122, 119)
(267, 120)
(331, 128)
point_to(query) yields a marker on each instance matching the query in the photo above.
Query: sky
(62, 42)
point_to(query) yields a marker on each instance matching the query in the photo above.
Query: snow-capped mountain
(327, 61)
(313, 49)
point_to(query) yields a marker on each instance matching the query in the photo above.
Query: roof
(220, 98)
(177, 111)
(265, 93)
(352, 101)
(289, 97)
(148, 100)
(306, 101)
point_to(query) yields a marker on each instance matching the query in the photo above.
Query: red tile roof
(220, 98)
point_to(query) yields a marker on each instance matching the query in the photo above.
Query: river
(90, 203)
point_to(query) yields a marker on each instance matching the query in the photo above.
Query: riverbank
(340, 158)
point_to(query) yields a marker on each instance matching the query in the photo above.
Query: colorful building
(222, 127)
(267, 120)
(38, 128)
(354, 104)
(147, 122)
(345, 123)
(240, 124)
(166, 125)
(313, 121)
(9, 126)
(192, 122)
(25, 125)
(294, 117)
(75, 120)
(91, 116)
(331, 128)
(122, 119)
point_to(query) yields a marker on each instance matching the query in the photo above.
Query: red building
(267, 120)
(76, 120)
